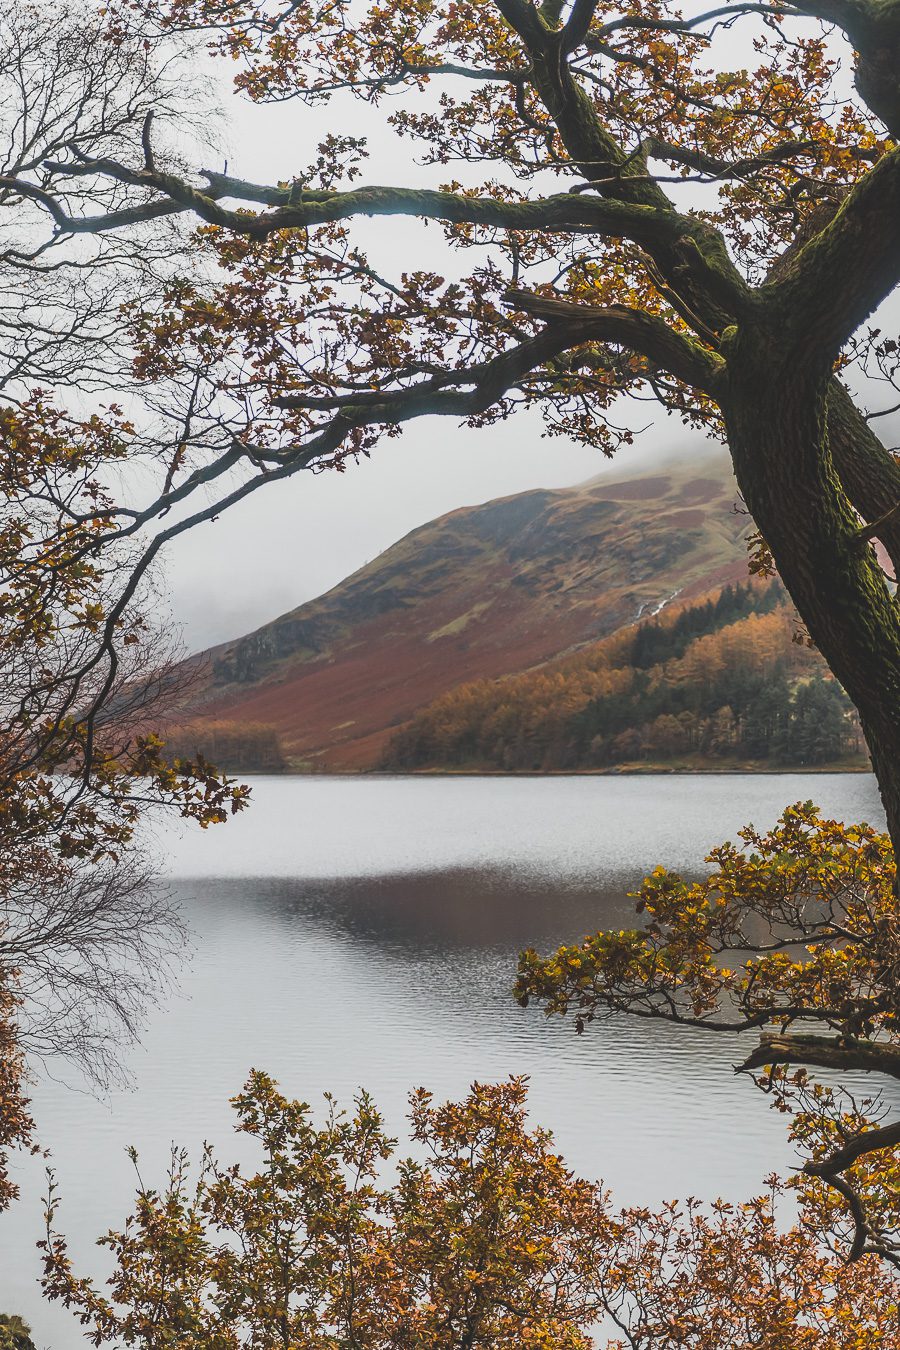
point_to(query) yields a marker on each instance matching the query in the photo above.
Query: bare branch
(300, 208)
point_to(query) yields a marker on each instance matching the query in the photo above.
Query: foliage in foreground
(483, 1240)
(796, 936)
(14, 1334)
(15, 1121)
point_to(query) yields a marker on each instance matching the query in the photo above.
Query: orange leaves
(15, 1120)
(796, 930)
(483, 1238)
(487, 1235)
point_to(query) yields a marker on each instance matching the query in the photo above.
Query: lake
(363, 932)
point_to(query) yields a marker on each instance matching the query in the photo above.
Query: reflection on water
(414, 916)
(383, 956)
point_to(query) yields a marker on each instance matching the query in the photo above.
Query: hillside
(716, 684)
(481, 592)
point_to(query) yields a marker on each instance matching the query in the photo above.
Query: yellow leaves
(490, 1241)
(796, 932)
(90, 617)
(791, 926)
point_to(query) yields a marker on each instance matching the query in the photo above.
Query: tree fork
(702, 266)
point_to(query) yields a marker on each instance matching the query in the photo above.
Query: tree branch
(843, 273)
(568, 326)
(303, 208)
(865, 1237)
(646, 333)
(114, 220)
(634, 23)
(717, 168)
(703, 270)
(577, 25)
(870, 1141)
(825, 1052)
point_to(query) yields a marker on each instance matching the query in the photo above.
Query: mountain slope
(721, 683)
(483, 591)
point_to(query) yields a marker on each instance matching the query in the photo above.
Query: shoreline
(617, 771)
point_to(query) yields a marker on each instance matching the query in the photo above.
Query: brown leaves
(482, 1239)
(796, 930)
(15, 1120)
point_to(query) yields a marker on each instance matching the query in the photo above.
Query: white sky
(291, 542)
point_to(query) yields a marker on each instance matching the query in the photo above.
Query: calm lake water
(363, 932)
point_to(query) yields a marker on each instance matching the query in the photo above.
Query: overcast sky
(296, 539)
(291, 542)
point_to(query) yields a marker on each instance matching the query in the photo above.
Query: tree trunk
(778, 436)
(869, 474)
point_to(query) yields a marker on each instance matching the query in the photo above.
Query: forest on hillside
(237, 747)
(730, 679)
(519, 234)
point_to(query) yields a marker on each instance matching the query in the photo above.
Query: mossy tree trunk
(787, 437)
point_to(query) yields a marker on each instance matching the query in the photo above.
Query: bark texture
(803, 461)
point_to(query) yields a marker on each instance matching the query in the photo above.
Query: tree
(295, 352)
(666, 736)
(14, 1334)
(271, 344)
(247, 747)
(84, 938)
(721, 732)
(792, 936)
(743, 312)
(817, 728)
(483, 1241)
(767, 716)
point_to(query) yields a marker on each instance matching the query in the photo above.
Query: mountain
(719, 683)
(481, 592)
